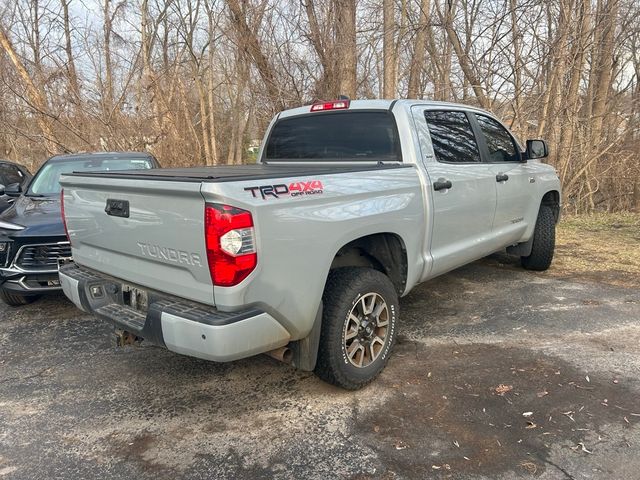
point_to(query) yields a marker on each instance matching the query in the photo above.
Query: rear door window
(339, 136)
(452, 137)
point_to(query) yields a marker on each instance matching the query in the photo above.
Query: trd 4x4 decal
(295, 189)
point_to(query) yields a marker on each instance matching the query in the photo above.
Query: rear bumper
(183, 326)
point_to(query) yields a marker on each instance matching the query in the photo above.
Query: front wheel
(544, 241)
(358, 327)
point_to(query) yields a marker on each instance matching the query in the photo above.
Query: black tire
(544, 241)
(15, 300)
(346, 291)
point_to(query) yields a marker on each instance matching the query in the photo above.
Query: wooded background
(196, 81)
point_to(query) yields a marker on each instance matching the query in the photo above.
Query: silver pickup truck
(304, 255)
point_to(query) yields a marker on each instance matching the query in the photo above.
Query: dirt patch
(489, 409)
(134, 448)
(601, 248)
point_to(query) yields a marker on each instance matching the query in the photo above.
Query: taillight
(229, 237)
(64, 220)
(334, 105)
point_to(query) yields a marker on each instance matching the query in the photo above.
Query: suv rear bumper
(183, 326)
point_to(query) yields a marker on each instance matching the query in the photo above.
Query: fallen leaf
(530, 425)
(502, 389)
(529, 467)
(584, 449)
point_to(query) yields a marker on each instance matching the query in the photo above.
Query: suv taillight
(64, 220)
(229, 238)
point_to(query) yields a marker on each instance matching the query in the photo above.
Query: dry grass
(600, 247)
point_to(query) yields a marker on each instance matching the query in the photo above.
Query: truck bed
(231, 173)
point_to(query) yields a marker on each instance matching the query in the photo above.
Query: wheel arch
(552, 199)
(384, 251)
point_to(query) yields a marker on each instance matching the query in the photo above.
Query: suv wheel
(358, 327)
(15, 300)
(544, 241)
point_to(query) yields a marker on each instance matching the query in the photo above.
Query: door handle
(502, 177)
(442, 184)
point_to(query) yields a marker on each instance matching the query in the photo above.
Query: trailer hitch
(122, 338)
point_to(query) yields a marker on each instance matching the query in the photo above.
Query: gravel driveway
(498, 373)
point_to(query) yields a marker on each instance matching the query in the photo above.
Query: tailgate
(152, 236)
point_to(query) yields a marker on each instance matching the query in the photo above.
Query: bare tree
(197, 81)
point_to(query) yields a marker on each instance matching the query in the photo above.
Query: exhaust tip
(282, 354)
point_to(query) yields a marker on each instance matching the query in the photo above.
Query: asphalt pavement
(497, 373)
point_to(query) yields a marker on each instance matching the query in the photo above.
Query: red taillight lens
(64, 220)
(229, 237)
(335, 105)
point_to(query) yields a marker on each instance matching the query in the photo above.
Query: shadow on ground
(479, 348)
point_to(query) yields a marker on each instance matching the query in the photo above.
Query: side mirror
(536, 149)
(1, 189)
(13, 190)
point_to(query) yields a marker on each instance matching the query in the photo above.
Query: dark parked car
(12, 177)
(32, 236)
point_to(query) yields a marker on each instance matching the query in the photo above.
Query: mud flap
(521, 249)
(305, 351)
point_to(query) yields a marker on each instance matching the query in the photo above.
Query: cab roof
(380, 105)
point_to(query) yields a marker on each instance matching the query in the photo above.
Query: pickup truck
(305, 254)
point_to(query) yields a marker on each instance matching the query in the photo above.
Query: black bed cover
(229, 173)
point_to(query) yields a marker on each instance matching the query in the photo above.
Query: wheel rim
(365, 330)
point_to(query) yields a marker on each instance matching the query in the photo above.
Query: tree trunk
(74, 85)
(254, 49)
(463, 58)
(389, 49)
(213, 148)
(35, 96)
(419, 48)
(325, 50)
(107, 94)
(346, 55)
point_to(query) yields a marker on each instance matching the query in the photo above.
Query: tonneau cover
(228, 173)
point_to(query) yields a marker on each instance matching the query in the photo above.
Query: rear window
(340, 136)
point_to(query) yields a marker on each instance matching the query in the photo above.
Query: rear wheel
(15, 300)
(358, 327)
(544, 241)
